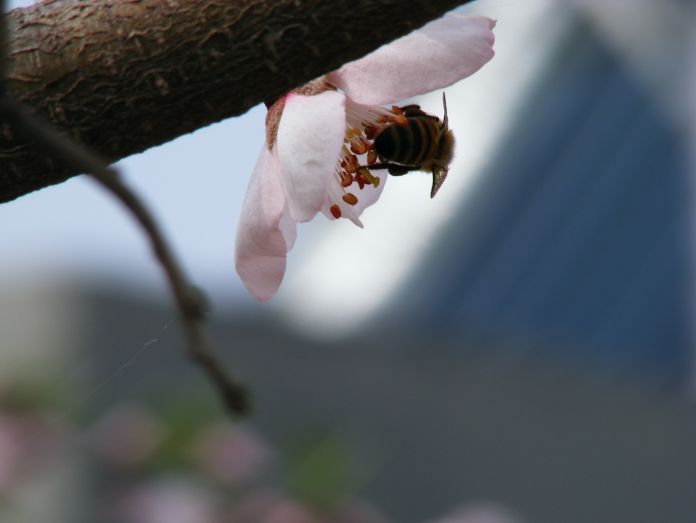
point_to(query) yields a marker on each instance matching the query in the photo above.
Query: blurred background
(520, 349)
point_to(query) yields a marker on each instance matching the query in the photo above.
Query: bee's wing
(439, 176)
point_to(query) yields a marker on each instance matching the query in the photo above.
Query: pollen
(350, 198)
(335, 211)
(371, 156)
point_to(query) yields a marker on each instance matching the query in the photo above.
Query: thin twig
(190, 302)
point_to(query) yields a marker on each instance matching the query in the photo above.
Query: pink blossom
(27, 443)
(270, 507)
(315, 157)
(482, 513)
(126, 436)
(236, 455)
(168, 501)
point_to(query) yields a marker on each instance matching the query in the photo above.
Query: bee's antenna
(444, 104)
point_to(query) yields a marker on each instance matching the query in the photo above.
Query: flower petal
(266, 232)
(365, 197)
(435, 56)
(309, 141)
(370, 194)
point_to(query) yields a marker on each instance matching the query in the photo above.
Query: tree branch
(190, 302)
(120, 76)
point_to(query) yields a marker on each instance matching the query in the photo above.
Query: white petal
(266, 231)
(435, 56)
(370, 194)
(309, 142)
(366, 197)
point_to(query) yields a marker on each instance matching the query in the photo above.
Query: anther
(335, 211)
(371, 156)
(351, 163)
(368, 177)
(360, 180)
(370, 131)
(346, 179)
(399, 119)
(350, 198)
(358, 146)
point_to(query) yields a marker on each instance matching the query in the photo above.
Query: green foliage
(321, 473)
(183, 419)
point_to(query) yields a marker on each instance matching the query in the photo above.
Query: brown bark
(121, 76)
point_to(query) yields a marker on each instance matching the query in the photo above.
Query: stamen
(371, 131)
(359, 146)
(350, 198)
(363, 125)
(399, 119)
(368, 177)
(361, 181)
(351, 163)
(346, 179)
(352, 132)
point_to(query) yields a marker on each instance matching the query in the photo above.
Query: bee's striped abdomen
(410, 144)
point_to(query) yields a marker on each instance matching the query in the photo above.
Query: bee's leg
(393, 168)
(398, 170)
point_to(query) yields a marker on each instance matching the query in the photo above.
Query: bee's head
(439, 176)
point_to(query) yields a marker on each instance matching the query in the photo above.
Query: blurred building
(572, 242)
(428, 429)
(576, 240)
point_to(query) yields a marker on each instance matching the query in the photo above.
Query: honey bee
(422, 143)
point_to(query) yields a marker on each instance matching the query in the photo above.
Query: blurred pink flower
(317, 139)
(168, 501)
(270, 507)
(27, 443)
(288, 512)
(234, 454)
(483, 513)
(126, 436)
